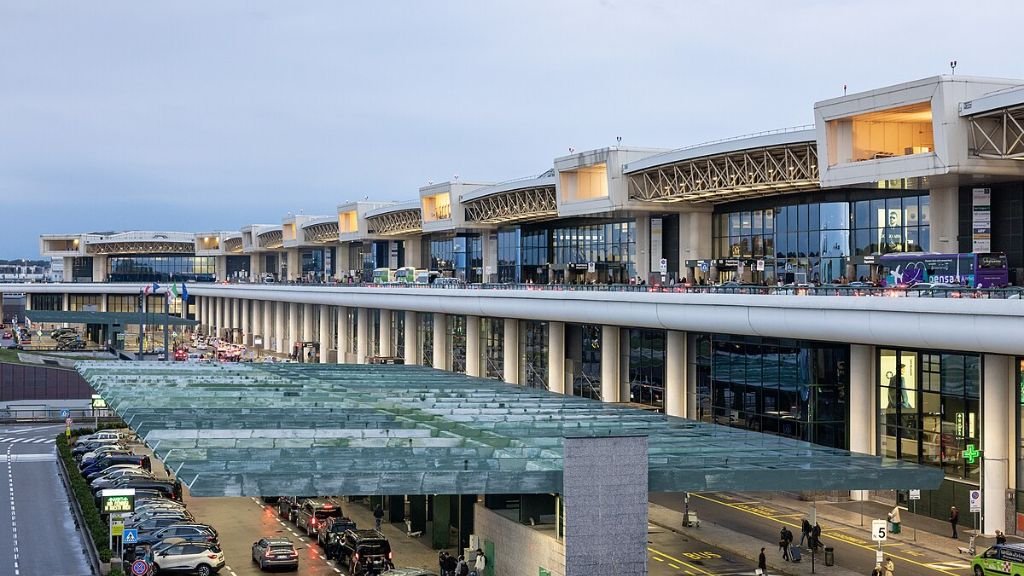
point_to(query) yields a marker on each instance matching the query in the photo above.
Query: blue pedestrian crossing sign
(130, 536)
(65, 413)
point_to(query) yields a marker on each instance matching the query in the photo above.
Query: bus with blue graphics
(977, 270)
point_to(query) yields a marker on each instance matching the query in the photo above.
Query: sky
(198, 116)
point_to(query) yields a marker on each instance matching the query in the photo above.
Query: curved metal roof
(292, 429)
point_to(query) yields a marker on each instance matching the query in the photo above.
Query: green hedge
(99, 529)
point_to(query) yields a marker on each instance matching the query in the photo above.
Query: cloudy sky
(190, 115)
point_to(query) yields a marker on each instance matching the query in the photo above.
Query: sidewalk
(923, 533)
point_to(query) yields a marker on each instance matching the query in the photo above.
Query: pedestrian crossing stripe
(15, 458)
(19, 440)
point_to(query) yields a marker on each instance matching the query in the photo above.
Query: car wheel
(156, 568)
(978, 571)
(203, 570)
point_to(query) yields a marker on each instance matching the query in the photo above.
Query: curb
(90, 547)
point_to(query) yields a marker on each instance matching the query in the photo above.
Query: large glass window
(647, 367)
(787, 387)
(47, 301)
(508, 256)
(456, 330)
(161, 268)
(611, 247)
(881, 226)
(586, 381)
(492, 331)
(426, 330)
(929, 408)
(81, 269)
(533, 348)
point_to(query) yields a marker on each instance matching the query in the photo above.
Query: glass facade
(426, 331)
(586, 381)
(456, 331)
(85, 302)
(459, 256)
(647, 367)
(929, 408)
(492, 331)
(818, 241)
(536, 262)
(509, 261)
(611, 247)
(792, 388)
(47, 301)
(161, 268)
(81, 269)
(533, 350)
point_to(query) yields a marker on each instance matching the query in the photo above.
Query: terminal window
(900, 131)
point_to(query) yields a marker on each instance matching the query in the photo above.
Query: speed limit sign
(879, 531)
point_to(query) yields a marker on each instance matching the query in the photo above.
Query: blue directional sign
(139, 568)
(65, 413)
(130, 536)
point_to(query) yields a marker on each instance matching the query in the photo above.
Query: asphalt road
(37, 531)
(853, 548)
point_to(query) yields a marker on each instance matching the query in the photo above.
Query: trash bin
(830, 556)
(894, 527)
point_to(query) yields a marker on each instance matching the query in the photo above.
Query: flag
(184, 292)
(146, 289)
(156, 287)
(174, 290)
(170, 297)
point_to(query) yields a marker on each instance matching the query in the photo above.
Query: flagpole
(167, 320)
(142, 314)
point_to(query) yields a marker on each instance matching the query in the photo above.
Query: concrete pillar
(556, 357)
(441, 341)
(694, 239)
(473, 354)
(65, 301)
(220, 267)
(294, 268)
(104, 303)
(489, 240)
(343, 335)
(944, 213)
(414, 252)
(246, 324)
(691, 376)
(386, 332)
(995, 395)
(643, 246)
(412, 337)
(610, 363)
(362, 334)
(218, 320)
(325, 332)
(236, 317)
(99, 268)
(268, 323)
(69, 269)
(293, 327)
(863, 405)
(510, 360)
(255, 266)
(675, 373)
(280, 338)
(307, 322)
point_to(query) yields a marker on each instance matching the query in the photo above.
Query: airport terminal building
(581, 280)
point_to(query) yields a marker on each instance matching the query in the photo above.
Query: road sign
(139, 568)
(130, 536)
(915, 494)
(116, 526)
(879, 531)
(975, 501)
(663, 265)
(65, 413)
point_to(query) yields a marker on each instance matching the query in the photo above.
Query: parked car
(182, 533)
(275, 553)
(107, 480)
(364, 552)
(191, 558)
(153, 524)
(333, 529)
(105, 462)
(314, 512)
(288, 507)
(110, 469)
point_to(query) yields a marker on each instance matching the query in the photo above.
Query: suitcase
(794, 553)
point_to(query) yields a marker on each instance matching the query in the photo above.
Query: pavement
(37, 530)
(743, 523)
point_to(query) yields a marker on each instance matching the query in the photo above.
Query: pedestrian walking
(890, 568)
(954, 518)
(450, 564)
(877, 571)
(480, 564)
(462, 569)
(762, 564)
(805, 532)
(1000, 537)
(441, 562)
(816, 536)
(785, 541)
(378, 516)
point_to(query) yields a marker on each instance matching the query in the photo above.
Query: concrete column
(694, 239)
(280, 338)
(325, 332)
(293, 327)
(995, 395)
(610, 363)
(104, 302)
(675, 373)
(556, 357)
(218, 313)
(294, 268)
(412, 337)
(643, 246)
(69, 269)
(255, 266)
(386, 332)
(945, 219)
(473, 346)
(245, 325)
(362, 334)
(220, 267)
(307, 322)
(863, 405)
(65, 301)
(99, 268)
(510, 363)
(441, 341)
(236, 316)
(343, 335)
(268, 324)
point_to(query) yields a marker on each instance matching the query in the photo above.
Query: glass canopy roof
(295, 429)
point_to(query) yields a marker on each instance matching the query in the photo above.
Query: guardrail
(87, 415)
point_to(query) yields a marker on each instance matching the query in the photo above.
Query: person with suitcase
(785, 541)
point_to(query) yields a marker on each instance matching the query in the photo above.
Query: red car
(181, 354)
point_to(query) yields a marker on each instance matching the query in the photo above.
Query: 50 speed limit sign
(879, 530)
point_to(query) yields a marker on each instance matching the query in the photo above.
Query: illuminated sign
(114, 504)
